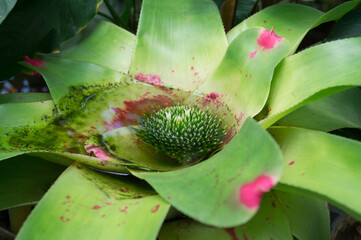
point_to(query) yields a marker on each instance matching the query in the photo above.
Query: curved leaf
(340, 110)
(280, 216)
(291, 21)
(298, 80)
(225, 190)
(180, 42)
(322, 165)
(40, 25)
(93, 205)
(243, 78)
(71, 82)
(25, 179)
(102, 43)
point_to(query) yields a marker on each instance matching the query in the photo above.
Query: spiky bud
(182, 132)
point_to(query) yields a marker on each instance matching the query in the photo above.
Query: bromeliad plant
(162, 122)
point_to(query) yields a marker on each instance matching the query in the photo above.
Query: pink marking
(252, 54)
(34, 62)
(97, 151)
(128, 115)
(169, 197)
(246, 75)
(268, 39)
(149, 78)
(192, 58)
(240, 116)
(68, 197)
(124, 210)
(172, 71)
(212, 96)
(96, 207)
(232, 233)
(192, 68)
(63, 219)
(196, 73)
(291, 163)
(264, 21)
(155, 208)
(251, 193)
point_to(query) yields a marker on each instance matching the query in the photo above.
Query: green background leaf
(25, 179)
(321, 165)
(298, 80)
(40, 25)
(339, 110)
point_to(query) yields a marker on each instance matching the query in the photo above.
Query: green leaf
(8, 154)
(308, 217)
(84, 204)
(34, 126)
(298, 80)
(22, 36)
(102, 43)
(71, 82)
(180, 42)
(5, 7)
(243, 10)
(280, 215)
(25, 179)
(235, 178)
(348, 26)
(341, 110)
(24, 97)
(322, 165)
(291, 21)
(243, 78)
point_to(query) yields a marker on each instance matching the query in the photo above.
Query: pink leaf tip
(268, 39)
(33, 62)
(251, 193)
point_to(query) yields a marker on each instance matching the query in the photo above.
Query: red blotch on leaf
(251, 193)
(34, 62)
(155, 208)
(192, 68)
(149, 78)
(96, 207)
(252, 54)
(291, 163)
(128, 115)
(268, 39)
(64, 219)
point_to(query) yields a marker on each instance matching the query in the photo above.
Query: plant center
(182, 132)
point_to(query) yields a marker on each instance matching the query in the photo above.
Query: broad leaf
(5, 7)
(24, 97)
(243, 78)
(179, 42)
(25, 179)
(340, 110)
(84, 204)
(298, 80)
(40, 25)
(102, 43)
(71, 82)
(291, 21)
(243, 10)
(322, 165)
(280, 216)
(225, 190)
